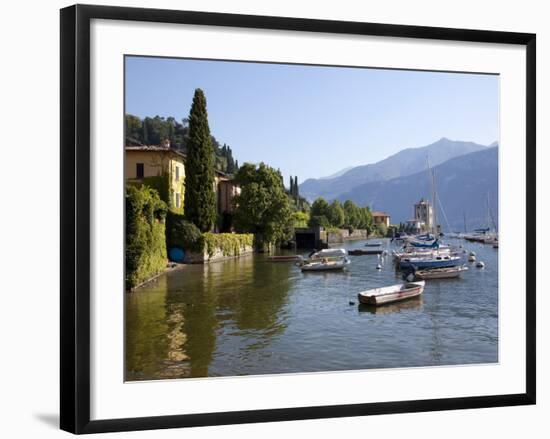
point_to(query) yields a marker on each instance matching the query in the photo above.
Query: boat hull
(429, 263)
(323, 267)
(360, 251)
(400, 292)
(440, 273)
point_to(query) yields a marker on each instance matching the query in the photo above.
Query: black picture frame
(75, 217)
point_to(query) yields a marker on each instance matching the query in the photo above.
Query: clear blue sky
(314, 121)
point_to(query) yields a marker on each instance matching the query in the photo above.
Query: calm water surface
(250, 316)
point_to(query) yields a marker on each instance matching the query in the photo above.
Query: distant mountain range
(406, 162)
(466, 173)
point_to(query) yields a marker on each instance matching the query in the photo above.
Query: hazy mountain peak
(405, 162)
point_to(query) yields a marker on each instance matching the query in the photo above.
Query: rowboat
(363, 251)
(373, 244)
(430, 262)
(284, 258)
(440, 273)
(326, 265)
(394, 293)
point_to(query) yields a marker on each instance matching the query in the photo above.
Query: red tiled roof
(154, 148)
(379, 213)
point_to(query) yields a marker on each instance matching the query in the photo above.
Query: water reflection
(251, 316)
(414, 303)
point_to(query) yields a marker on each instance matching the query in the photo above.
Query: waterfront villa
(163, 168)
(160, 167)
(380, 218)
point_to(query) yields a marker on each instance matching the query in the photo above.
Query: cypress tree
(145, 133)
(296, 190)
(291, 190)
(200, 197)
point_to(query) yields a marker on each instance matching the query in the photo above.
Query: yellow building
(160, 167)
(163, 168)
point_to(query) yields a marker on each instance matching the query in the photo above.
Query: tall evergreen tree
(291, 190)
(145, 133)
(296, 190)
(200, 198)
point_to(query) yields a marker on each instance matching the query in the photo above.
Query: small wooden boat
(440, 273)
(373, 244)
(326, 265)
(284, 258)
(363, 251)
(394, 293)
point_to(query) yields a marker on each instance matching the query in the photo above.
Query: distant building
(226, 190)
(144, 162)
(423, 211)
(380, 218)
(414, 226)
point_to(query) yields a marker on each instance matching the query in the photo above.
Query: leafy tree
(200, 198)
(319, 207)
(382, 229)
(154, 130)
(318, 220)
(336, 214)
(262, 207)
(365, 219)
(352, 214)
(319, 213)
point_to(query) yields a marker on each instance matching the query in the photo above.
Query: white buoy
(480, 264)
(471, 258)
(379, 267)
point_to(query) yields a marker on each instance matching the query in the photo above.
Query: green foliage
(154, 130)
(352, 214)
(349, 215)
(336, 214)
(231, 244)
(318, 221)
(200, 198)
(319, 208)
(263, 207)
(381, 229)
(181, 233)
(145, 254)
(300, 219)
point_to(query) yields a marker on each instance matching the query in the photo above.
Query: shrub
(182, 233)
(145, 254)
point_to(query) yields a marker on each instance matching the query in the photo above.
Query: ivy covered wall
(145, 235)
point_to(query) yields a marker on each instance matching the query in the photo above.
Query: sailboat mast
(431, 173)
(434, 198)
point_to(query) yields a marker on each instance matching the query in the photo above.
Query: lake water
(249, 316)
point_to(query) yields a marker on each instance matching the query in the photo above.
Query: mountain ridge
(463, 184)
(405, 162)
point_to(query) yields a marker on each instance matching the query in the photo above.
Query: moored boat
(440, 273)
(430, 262)
(325, 265)
(373, 244)
(394, 293)
(363, 251)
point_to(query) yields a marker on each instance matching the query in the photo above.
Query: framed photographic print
(285, 218)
